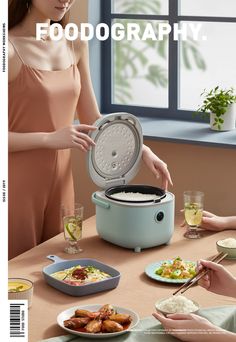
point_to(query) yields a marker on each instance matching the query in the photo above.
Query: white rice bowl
(229, 243)
(176, 304)
(227, 246)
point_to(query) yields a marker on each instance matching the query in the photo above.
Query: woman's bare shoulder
(11, 51)
(14, 61)
(12, 34)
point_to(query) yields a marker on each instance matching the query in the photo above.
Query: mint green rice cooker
(145, 221)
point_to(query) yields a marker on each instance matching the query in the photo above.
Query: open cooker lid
(115, 158)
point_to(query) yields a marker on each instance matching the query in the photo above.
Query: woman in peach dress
(48, 82)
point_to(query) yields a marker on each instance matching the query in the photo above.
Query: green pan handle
(99, 202)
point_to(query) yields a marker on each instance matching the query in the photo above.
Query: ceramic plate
(151, 268)
(85, 289)
(95, 307)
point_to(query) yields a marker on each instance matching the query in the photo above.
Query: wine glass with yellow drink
(72, 218)
(193, 210)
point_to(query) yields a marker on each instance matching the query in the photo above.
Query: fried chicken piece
(120, 318)
(106, 311)
(94, 326)
(111, 326)
(75, 323)
(86, 313)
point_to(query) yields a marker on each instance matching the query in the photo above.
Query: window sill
(186, 132)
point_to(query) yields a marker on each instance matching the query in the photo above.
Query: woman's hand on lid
(74, 136)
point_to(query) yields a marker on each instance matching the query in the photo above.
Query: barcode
(18, 320)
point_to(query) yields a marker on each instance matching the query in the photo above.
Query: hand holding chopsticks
(217, 259)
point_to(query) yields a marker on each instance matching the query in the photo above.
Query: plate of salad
(175, 271)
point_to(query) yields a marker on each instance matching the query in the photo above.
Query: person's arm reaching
(157, 167)
(218, 280)
(193, 328)
(217, 223)
(87, 107)
(68, 137)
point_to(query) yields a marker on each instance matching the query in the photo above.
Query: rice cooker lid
(114, 160)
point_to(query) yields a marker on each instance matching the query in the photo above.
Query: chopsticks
(217, 259)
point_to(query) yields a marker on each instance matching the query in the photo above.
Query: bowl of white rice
(176, 304)
(227, 246)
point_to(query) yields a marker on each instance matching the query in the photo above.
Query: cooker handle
(99, 202)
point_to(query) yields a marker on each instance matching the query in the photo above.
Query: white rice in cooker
(177, 304)
(230, 243)
(134, 196)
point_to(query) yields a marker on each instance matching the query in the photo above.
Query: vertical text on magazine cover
(4, 191)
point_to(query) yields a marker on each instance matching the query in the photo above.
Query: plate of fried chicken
(97, 321)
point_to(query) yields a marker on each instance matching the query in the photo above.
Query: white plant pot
(229, 119)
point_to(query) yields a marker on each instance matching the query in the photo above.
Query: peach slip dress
(40, 180)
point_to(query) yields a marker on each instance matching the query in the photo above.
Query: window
(165, 78)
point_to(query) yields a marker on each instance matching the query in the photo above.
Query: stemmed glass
(72, 218)
(193, 210)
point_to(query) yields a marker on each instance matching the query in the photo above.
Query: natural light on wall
(216, 58)
(140, 70)
(140, 7)
(211, 8)
(138, 66)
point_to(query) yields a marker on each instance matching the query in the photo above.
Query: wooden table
(135, 290)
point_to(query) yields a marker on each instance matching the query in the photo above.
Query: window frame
(172, 112)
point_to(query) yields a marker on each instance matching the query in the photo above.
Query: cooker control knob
(159, 216)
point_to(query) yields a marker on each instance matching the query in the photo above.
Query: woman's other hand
(74, 136)
(218, 279)
(192, 328)
(157, 167)
(216, 223)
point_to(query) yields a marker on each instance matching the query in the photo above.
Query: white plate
(95, 307)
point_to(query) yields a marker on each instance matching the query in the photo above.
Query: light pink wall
(210, 169)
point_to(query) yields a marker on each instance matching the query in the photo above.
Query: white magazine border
(4, 170)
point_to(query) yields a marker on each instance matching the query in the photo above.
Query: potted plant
(219, 104)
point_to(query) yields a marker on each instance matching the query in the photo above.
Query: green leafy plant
(217, 101)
